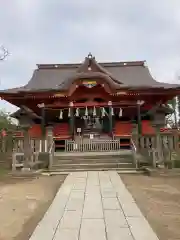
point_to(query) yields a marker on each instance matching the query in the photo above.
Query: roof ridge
(104, 64)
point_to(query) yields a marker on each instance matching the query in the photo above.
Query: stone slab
(79, 174)
(74, 204)
(47, 226)
(110, 203)
(115, 233)
(93, 205)
(108, 193)
(131, 209)
(77, 194)
(140, 228)
(66, 234)
(93, 190)
(71, 219)
(92, 229)
(79, 186)
(115, 219)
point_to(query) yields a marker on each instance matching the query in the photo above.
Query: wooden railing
(92, 146)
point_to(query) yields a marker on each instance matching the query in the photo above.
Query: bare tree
(178, 101)
(3, 53)
(174, 105)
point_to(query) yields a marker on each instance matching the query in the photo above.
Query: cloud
(46, 31)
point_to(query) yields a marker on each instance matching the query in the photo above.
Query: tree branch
(3, 53)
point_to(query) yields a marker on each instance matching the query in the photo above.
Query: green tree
(6, 122)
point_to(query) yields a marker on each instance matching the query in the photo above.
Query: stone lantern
(27, 145)
(158, 118)
(158, 121)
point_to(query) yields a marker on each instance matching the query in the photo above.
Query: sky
(65, 31)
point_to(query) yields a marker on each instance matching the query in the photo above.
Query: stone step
(91, 160)
(66, 170)
(93, 165)
(115, 154)
(119, 171)
(73, 161)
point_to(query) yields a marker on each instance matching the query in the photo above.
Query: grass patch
(177, 163)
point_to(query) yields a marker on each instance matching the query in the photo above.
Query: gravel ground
(23, 203)
(159, 200)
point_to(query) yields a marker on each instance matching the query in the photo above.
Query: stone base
(25, 169)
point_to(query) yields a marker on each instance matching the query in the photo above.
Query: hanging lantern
(69, 112)
(120, 112)
(77, 112)
(86, 112)
(94, 112)
(103, 112)
(112, 111)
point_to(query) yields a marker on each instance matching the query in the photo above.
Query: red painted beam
(91, 104)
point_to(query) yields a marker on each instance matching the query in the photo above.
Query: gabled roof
(117, 74)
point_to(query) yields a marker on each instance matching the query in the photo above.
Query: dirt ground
(23, 203)
(159, 200)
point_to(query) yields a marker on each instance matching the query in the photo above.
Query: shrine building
(92, 100)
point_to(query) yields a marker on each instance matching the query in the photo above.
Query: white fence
(92, 146)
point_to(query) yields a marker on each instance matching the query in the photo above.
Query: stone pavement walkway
(93, 206)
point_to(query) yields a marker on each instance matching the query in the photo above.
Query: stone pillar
(135, 135)
(49, 131)
(110, 117)
(43, 123)
(50, 140)
(134, 129)
(158, 122)
(9, 146)
(159, 143)
(139, 103)
(27, 147)
(13, 160)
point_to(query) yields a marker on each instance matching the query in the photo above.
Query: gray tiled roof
(129, 74)
(133, 76)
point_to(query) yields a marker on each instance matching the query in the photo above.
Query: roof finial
(90, 55)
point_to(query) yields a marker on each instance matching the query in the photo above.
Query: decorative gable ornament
(90, 55)
(89, 84)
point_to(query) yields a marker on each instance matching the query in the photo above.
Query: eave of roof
(26, 111)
